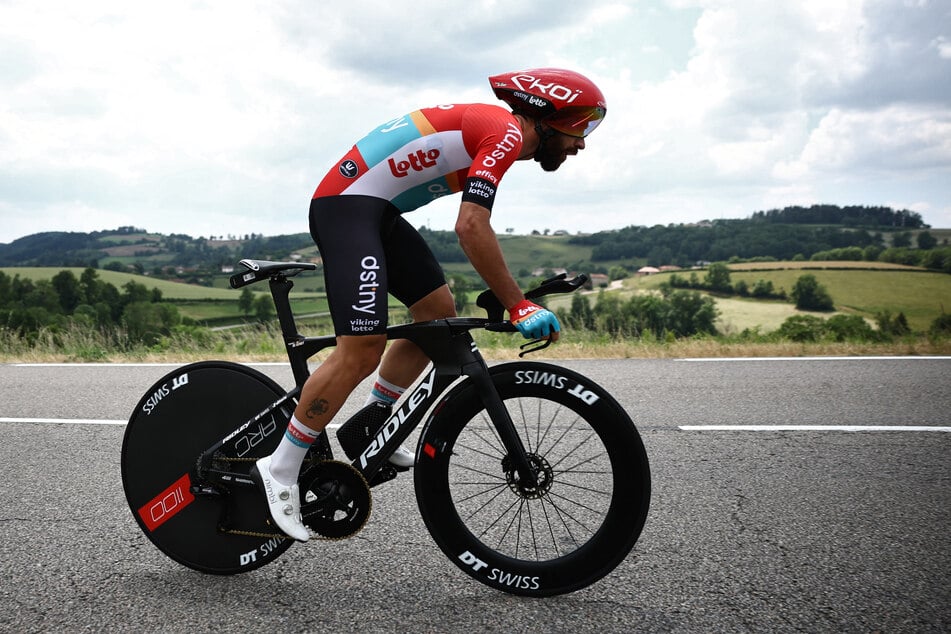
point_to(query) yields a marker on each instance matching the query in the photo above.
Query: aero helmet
(566, 101)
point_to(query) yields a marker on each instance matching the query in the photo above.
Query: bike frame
(449, 345)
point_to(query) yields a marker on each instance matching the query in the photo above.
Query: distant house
(597, 280)
(669, 267)
(647, 270)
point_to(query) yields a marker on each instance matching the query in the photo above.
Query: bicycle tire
(588, 510)
(182, 415)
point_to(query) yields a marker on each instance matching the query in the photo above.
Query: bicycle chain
(314, 536)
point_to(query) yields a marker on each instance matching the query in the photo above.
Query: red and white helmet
(564, 100)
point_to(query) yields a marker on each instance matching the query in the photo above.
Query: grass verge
(260, 344)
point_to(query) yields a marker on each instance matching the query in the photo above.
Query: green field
(862, 289)
(527, 253)
(170, 290)
(856, 288)
(201, 303)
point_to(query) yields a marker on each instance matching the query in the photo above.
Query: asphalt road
(749, 531)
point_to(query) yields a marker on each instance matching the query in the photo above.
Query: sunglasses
(576, 121)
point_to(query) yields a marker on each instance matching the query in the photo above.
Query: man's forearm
(481, 246)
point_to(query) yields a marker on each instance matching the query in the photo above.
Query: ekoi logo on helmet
(530, 87)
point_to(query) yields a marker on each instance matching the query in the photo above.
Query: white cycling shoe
(283, 501)
(403, 458)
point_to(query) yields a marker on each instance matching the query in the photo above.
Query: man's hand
(534, 321)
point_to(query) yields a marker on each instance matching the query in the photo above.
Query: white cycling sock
(384, 392)
(289, 455)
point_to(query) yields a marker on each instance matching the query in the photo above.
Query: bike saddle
(258, 270)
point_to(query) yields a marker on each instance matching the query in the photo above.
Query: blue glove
(533, 321)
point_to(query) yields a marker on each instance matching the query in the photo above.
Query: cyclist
(370, 250)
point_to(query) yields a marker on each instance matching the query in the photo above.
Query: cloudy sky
(216, 118)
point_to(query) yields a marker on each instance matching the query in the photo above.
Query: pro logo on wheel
(167, 504)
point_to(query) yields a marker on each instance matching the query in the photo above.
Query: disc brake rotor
(335, 499)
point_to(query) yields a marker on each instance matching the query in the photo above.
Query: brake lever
(540, 344)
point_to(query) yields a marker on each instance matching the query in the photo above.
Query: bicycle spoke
(479, 451)
(551, 421)
(562, 518)
(587, 489)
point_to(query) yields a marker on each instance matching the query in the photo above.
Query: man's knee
(437, 305)
(360, 355)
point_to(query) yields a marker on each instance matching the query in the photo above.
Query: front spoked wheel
(575, 523)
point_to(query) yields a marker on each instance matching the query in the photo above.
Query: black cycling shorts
(369, 250)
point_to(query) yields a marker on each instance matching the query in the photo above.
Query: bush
(849, 328)
(718, 278)
(802, 328)
(809, 294)
(762, 288)
(892, 327)
(941, 326)
(675, 314)
(147, 322)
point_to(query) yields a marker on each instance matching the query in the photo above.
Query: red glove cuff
(522, 310)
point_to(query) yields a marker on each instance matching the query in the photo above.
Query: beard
(549, 158)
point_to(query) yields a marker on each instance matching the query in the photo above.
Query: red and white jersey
(412, 160)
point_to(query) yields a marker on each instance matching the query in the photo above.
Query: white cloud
(200, 118)
(864, 144)
(943, 46)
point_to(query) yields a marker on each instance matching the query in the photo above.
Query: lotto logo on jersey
(417, 161)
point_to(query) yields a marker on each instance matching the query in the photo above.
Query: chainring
(335, 499)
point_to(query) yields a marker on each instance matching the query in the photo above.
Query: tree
(135, 292)
(147, 322)
(901, 239)
(892, 326)
(718, 277)
(263, 308)
(941, 326)
(460, 292)
(246, 301)
(762, 288)
(43, 295)
(69, 291)
(618, 273)
(691, 313)
(581, 315)
(809, 294)
(926, 240)
(90, 286)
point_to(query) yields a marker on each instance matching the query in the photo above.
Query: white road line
(849, 428)
(129, 365)
(879, 358)
(72, 421)
(88, 421)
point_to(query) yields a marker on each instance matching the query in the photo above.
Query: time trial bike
(530, 477)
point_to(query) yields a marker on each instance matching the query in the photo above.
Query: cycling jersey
(414, 159)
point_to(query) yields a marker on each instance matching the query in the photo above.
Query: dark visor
(577, 121)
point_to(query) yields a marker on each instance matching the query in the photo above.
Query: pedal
(386, 473)
(355, 434)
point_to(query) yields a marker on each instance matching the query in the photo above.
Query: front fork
(502, 421)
